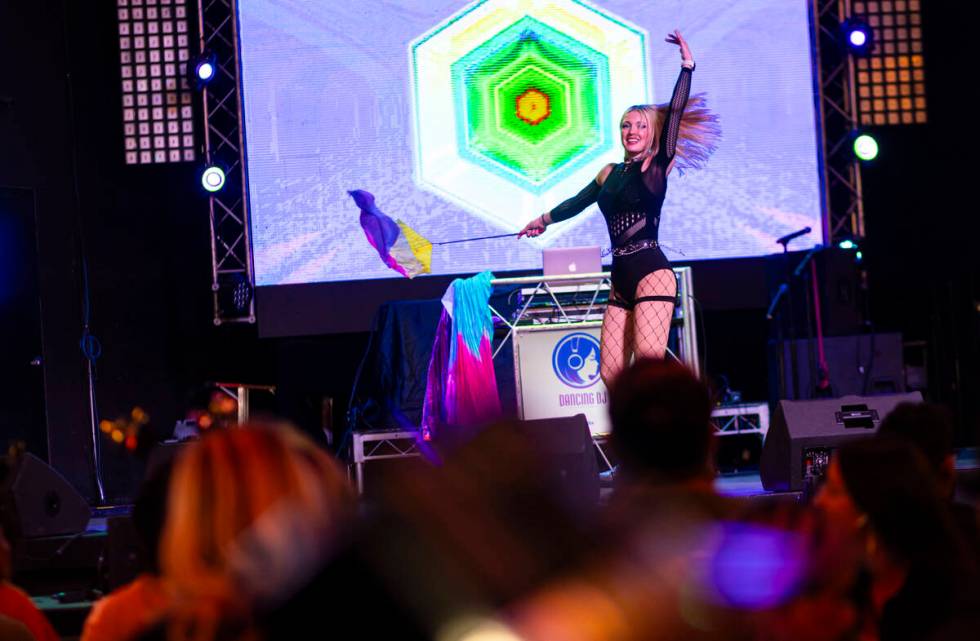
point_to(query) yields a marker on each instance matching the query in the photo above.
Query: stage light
(858, 35)
(234, 293)
(890, 80)
(241, 295)
(205, 70)
(203, 67)
(157, 92)
(865, 147)
(213, 178)
(849, 241)
(757, 567)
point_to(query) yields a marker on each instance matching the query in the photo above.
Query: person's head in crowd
(7, 522)
(6, 563)
(149, 512)
(661, 422)
(252, 513)
(816, 601)
(928, 428)
(136, 606)
(881, 495)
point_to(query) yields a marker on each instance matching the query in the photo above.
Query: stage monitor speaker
(39, 502)
(567, 444)
(802, 434)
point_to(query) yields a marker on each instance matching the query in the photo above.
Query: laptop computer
(560, 261)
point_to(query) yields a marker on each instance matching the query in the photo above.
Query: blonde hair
(224, 488)
(697, 137)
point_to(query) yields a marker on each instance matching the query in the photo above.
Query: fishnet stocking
(652, 318)
(616, 341)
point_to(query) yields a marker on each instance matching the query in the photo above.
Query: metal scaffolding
(843, 203)
(233, 279)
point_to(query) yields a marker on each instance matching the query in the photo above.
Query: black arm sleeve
(576, 203)
(672, 122)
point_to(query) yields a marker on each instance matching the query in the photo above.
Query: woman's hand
(534, 228)
(676, 38)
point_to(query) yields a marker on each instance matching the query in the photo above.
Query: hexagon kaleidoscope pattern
(516, 103)
(530, 101)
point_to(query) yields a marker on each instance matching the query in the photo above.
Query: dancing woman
(630, 195)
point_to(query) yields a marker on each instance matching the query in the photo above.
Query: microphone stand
(786, 327)
(815, 359)
(794, 366)
(787, 322)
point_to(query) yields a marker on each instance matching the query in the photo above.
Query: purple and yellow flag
(399, 246)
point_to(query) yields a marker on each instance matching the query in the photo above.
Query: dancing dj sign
(558, 374)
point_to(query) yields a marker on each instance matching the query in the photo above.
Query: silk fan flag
(461, 387)
(399, 246)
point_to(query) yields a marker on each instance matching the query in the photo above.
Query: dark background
(142, 233)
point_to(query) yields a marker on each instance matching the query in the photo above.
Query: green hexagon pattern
(515, 104)
(529, 55)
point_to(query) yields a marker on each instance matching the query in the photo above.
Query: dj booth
(546, 359)
(556, 333)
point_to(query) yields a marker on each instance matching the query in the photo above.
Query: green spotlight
(866, 147)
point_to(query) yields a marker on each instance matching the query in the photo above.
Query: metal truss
(744, 418)
(233, 279)
(843, 201)
(377, 446)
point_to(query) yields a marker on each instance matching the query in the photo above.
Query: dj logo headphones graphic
(576, 360)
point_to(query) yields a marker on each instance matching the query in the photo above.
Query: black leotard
(630, 200)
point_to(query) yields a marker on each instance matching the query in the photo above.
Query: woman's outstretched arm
(568, 208)
(576, 204)
(682, 90)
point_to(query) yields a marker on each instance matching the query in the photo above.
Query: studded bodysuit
(631, 200)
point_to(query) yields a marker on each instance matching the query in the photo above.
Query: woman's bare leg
(653, 313)
(617, 342)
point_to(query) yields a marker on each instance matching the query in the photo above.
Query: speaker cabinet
(861, 364)
(39, 502)
(566, 443)
(842, 297)
(802, 434)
